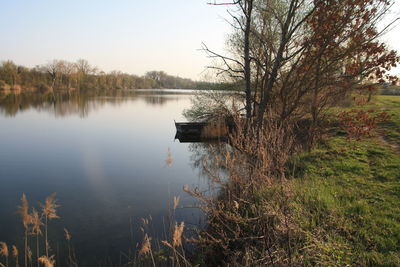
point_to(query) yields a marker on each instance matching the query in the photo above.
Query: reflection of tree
(204, 156)
(158, 100)
(200, 153)
(60, 104)
(73, 103)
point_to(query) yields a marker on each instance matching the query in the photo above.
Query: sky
(132, 36)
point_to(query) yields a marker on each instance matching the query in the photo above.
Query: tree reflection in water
(62, 104)
(204, 158)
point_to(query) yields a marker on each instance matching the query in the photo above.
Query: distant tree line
(389, 89)
(61, 75)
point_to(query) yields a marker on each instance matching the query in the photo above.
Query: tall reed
(47, 261)
(71, 255)
(149, 253)
(36, 230)
(146, 248)
(15, 255)
(26, 221)
(4, 251)
(49, 212)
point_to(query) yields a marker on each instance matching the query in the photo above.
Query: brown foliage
(361, 123)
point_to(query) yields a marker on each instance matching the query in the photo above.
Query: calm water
(105, 156)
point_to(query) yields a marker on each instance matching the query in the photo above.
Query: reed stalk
(146, 248)
(26, 221)
(47, 261)
(49, 212)
(36, 230)
(4, 251)
(15, 255)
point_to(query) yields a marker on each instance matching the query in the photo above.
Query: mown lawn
(391, 105)
(347, 196)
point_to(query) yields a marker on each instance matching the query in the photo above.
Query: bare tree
(240, 67)
(55, 69)
(83, 69)
(67, 70)
(303, 55)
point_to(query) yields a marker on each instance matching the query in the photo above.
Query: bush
(4, 87)
(44, 88)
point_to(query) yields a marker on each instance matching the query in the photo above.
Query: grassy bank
(337, 205)
(348, 196)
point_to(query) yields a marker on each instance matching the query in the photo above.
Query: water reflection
(203, 156)
(105, 156)
(159, 100)
(73, 103)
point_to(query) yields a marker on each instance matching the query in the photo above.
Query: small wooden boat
(194, 128)
(193, 132)
(189, 138)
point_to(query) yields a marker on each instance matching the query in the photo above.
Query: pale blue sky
(129, 35)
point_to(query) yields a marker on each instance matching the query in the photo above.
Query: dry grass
(26, 221)
(177, 236)
(23, 211)
(167, 252)
(15, 251)
(169, 160)
(36, 223)
(146, 245)
(250, 223)
(49, 207)
(36, 229)
(67, 235)
(49, 210)
(176, 201)
(146, 249)
(47, 261)
(4, 251)
(32, 222)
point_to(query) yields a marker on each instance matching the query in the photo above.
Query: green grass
(348, 196)
(391, 105)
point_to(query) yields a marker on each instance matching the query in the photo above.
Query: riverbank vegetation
(311, 176)
(334, 205)
(61, 75)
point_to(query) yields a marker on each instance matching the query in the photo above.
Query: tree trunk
(247, 69)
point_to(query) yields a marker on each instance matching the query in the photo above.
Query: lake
(106, 158)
